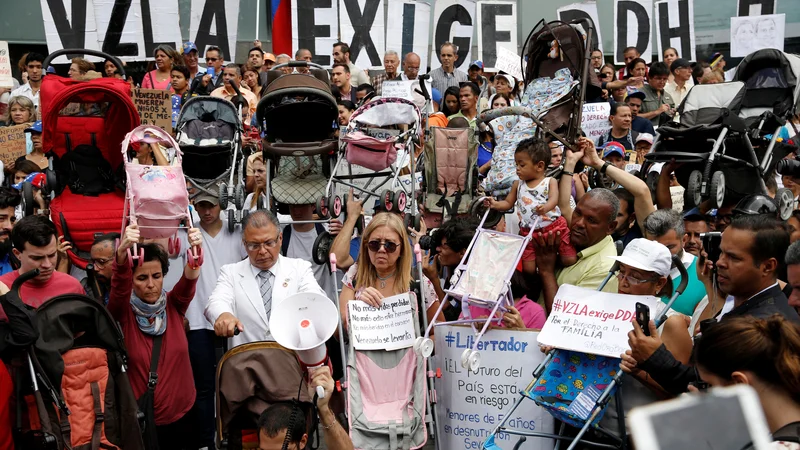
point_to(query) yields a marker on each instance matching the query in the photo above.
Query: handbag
(145, 402)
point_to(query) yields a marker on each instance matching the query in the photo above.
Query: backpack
(87, 172)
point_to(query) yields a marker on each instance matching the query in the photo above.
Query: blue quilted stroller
(565, 375)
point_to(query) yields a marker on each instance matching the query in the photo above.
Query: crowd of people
(735, 323)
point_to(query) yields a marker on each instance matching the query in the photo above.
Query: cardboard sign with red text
(588, 321)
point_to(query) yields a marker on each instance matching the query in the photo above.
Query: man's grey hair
(260, 219)
(283, 56)
(661, 221)
(234, 66)
(391, 53)
(448, 43)
(793, 254)
(608, 197)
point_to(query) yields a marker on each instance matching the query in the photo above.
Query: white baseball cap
(647, 255)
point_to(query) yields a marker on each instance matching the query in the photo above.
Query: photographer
(751, 257)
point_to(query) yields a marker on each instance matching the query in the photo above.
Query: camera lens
(789, 167)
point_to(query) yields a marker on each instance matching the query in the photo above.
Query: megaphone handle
(333, 262)
(320, 392)
(418, 253)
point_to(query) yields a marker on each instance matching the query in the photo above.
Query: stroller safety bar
(278, 149)
(83, 51)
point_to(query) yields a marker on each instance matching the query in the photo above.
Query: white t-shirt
(301, 244)
(249, 199)
(224, 248)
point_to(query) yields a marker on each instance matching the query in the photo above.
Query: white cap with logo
(647, 255)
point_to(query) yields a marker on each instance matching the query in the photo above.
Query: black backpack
(86, 172)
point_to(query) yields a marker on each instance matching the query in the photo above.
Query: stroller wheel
(417, 222)
(322, 208)
(322, 248)
(51, 181)
(400, 201)
(717, 189)
(425, 347)
(245, 213)
(231, 219)
(474, 361)
(223, 196)
(465, 358)
(692, 197)
(386, 201)
(238, 196)
(785, 200)
(335, 206)
(28, 203)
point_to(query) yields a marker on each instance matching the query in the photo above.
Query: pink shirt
(532, 313)
(34, 294)
(150, 81)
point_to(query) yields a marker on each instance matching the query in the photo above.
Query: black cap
(679, 63)
(638, 94)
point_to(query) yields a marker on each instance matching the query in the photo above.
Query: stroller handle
(297, 64)
(490, 115)
(678, 264)
(162, 137)
(83, 51)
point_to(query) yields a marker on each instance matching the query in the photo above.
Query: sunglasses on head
(375, 246)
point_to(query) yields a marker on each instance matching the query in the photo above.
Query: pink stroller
(156, 196)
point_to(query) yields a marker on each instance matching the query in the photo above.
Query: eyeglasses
(723, 218)
(597, 57)
(633, 281)
(375, 246)
(212, 59)
(101, 262)
(253, 246)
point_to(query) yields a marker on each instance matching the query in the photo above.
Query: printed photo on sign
(749, 34)
(316, 29)
(675, 27)
(408, 29)
(471, 404)
(588, 321)
(387, 327)
(363, 28)
(632, 28)
(594, 121)
(453, 21)
(583, 10)
(498, 29)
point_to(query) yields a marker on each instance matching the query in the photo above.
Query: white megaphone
(303, 323)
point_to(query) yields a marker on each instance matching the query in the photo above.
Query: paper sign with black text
(508, 62)
(579, 11)
(632, 28)
(6, 78)
(215, 22)
(154, 106)
(315, 26)
(675, 27)
(472, 404)
(408, 29)
(387, 327)
(363, 28)
(594, 121)
(588, 321)
(497, 22)
(453, 21)
(69, 24)
(12, 143)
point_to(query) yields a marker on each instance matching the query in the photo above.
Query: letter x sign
(362, 24)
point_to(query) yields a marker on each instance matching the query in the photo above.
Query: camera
(711, 242)
(430, 242)
(789, 167)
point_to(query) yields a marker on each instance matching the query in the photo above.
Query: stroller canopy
(298, 108)
(209, 109)
(706, 103)
(771, 77)
(387, 111)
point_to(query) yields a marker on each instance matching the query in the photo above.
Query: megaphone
(303, 323)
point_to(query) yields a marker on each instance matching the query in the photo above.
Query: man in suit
(247, 291)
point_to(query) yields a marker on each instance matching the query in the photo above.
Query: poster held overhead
(675, 27)
(412, 33)
(453, 21)
(585, 10)
(315, 26)
(224, 16)
(749, 34)
(498, 29)
(363, 28)
(632, 28)
(6, 78)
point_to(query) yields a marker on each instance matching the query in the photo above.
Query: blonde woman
(20, 111)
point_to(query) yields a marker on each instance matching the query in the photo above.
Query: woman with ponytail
(765, 354)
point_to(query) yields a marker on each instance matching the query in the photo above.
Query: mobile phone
(711, 242)
(210, 71)
(643, 317)
(722, 418)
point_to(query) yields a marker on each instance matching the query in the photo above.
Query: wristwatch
(605, 167)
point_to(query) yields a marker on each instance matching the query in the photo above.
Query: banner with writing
(12, 143)
(472, 404)
(155, 107)
(588, 321)
(6, 79)
(594, 121)
(387, 327)
(408, 29)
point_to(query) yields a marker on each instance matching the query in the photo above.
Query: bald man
(303, 54)
(411, 65)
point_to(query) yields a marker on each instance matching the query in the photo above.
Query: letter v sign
(362, 24)
(72, 36)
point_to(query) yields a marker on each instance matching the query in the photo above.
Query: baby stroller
(381, 138)
(250, 378)
(156, 196)
(87, 193)
(298, 113)
(478, 288)
(563, 377)
(557, 81)
(713, 143)
(209, 132)
(72, 388)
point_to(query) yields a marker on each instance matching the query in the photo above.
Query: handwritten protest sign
(6, 79)
(155, 107)
(388, 327)
(12, 143)
(397, 88)
(508, 62)
(589, 321)
(594, 120)
(472, 404)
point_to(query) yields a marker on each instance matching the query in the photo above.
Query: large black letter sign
(362, 25)
(214, 10)
(308, 30)
(767, 7)
(681, 31)
(489, 34)
(453, 14)
(643, 21)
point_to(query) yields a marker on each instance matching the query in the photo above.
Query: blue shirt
(641, 125)
(5, 265)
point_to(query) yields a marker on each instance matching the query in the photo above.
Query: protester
(391, 62)
(341, 55)
(620, 130)
(628, 55)
(637, 69)
(21, 111)
(468, 101)
(213, 78)
(37, 155)
(695, 224)
(269, 61)
(506, 84)
(110, 69)
(475, 75)
(97, 283)
(597, 59)
(151, 320)
(447, 75)
(258, 198)
(658, 106)
(33, 69)
(303, 54)
(166, 57)
(233, 74)
(79, 67)
(346, 108)
(411, 64)
(284, 59)
(255, 58)
(250, 80)
(670, 54)
(681, 82)
(643, 145)
(364, 93)
(341, 78)
(614, 154)
(500, 101)
(298, 242)
(9, 200)
(634, 101)
(450, 104)
(190, 59)
(628, 227)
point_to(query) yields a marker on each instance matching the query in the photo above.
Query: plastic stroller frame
(601, 402)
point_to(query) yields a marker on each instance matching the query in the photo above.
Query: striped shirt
(442, 80)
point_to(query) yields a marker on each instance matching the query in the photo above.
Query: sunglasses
(375, 246)
(212, 59)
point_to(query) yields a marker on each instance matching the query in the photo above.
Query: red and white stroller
(156, 198)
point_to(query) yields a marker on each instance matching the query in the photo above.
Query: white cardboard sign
(508, 62)
(588, 321)
(752, 33)
(472, 404)
(6, 79)
(594, 121)
(388, 327)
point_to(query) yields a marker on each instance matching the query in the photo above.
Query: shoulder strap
(287, 234)
(153, 380)
(320, 228)
(152, 83)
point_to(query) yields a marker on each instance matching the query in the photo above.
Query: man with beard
(9, 199)
(341, 55)
(696, 224)
(97, 283)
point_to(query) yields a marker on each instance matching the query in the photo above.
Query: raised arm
(341, 244)
(663, 195)
(565, 182)
(183, 292)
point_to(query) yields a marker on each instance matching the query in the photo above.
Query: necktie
(265, 286)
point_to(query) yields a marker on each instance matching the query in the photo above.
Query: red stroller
(104, 114)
